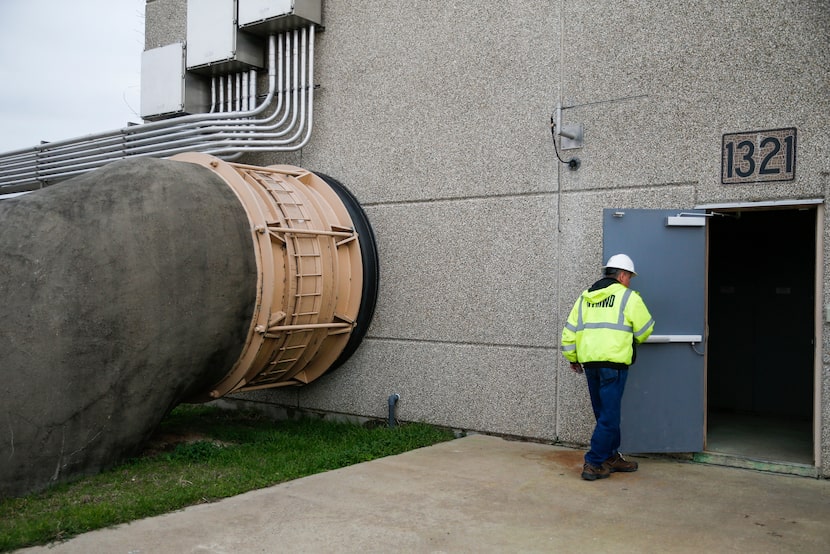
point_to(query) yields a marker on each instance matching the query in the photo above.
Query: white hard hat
(620, 261)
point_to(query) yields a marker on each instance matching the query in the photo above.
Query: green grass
(227, 453)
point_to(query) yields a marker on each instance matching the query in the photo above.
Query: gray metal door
(663, 405)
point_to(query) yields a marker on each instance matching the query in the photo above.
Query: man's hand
(576, 367)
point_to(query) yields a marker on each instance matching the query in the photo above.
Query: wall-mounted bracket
(570, 137)
(571, 133)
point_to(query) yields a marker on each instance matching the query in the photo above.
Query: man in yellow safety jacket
(606, 323)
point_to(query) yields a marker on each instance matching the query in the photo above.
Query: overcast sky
(68, 68)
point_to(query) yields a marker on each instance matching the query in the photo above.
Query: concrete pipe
(146, 283)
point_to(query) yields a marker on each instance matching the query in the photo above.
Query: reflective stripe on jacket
(603, 323)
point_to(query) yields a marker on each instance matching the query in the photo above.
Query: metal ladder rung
(286, 348)
(284, 361)
(274, 371)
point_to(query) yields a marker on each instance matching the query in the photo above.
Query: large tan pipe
(151, 282)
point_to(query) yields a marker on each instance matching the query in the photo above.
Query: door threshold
(732, 460)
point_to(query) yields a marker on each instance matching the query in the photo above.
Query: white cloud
(68, 69)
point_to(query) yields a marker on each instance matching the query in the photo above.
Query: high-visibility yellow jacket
(604, 323)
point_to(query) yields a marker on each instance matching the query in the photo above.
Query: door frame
(818, 311)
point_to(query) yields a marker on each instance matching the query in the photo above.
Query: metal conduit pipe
(195, 130)
(177, 280)
(258, 129)
(263, 140)
(154, 138)
(252, 79)
(221, 94)
(243, 91)
(232, 93)
(63, 159)
(200, 144)
(261, 128)
(75, 149)
(212, 94)
(161, 135)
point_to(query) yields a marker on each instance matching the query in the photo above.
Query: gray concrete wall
(435, 114)
(656, 89)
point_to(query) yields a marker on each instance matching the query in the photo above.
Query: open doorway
(761, 328)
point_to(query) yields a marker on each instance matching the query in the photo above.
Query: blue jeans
(606, 387)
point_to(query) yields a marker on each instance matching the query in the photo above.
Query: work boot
(618, 463)
(592, 473)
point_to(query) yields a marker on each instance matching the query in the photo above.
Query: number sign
(758, 156)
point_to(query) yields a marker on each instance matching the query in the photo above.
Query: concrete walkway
(485, 494)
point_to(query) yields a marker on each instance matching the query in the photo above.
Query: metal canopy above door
(663, 406)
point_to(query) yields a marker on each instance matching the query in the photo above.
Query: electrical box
(275, 16)
(215, 45)
(166, 88)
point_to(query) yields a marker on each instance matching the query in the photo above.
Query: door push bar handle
(674, 338)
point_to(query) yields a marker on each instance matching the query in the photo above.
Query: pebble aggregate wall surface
(436, 116)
